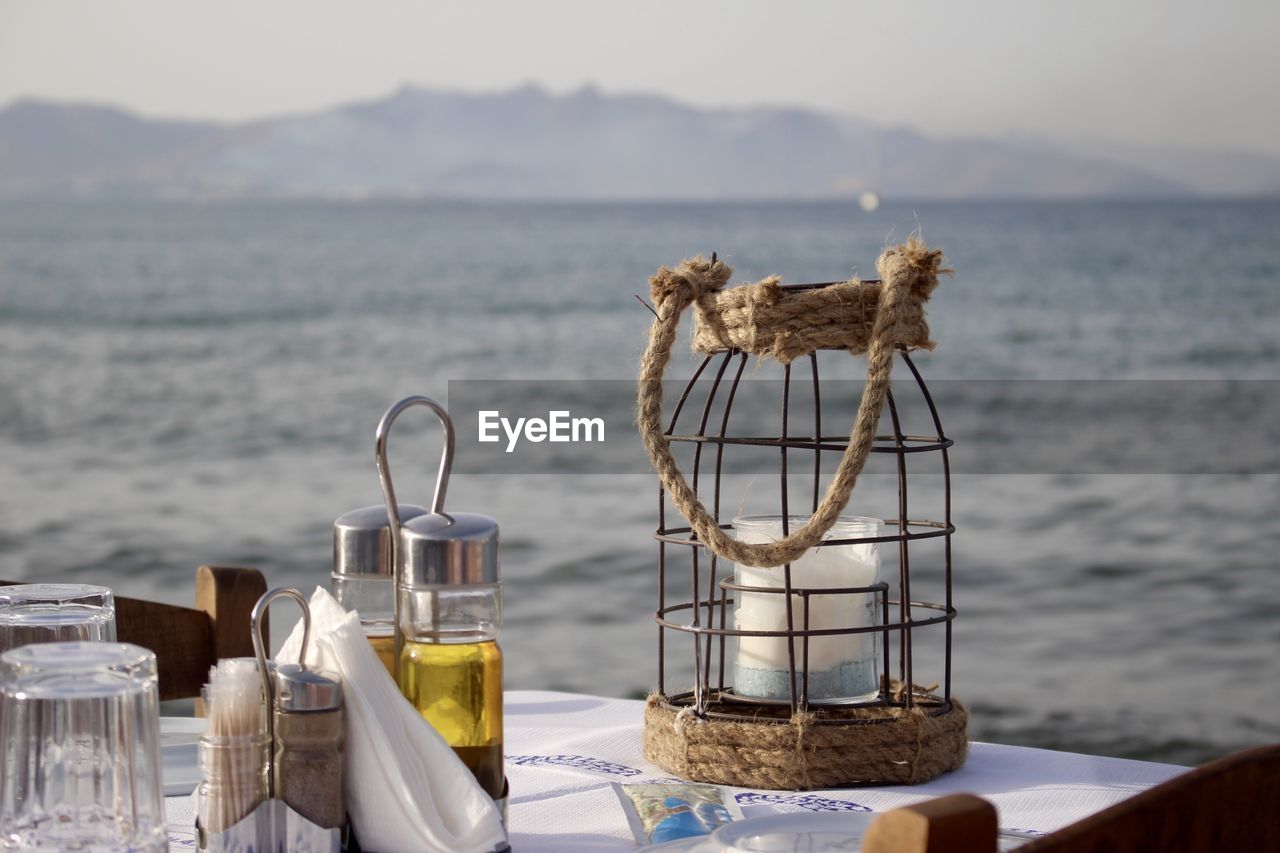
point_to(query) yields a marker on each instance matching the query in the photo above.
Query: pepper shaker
(308, 733)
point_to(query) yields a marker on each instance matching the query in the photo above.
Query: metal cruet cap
(362, 540)
(458, 548)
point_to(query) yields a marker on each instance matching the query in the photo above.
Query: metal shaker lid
(362, 540)
(291, 686)
(449, 548)
(298, 689)
(439, 547)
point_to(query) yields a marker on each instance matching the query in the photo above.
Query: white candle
(840, 666)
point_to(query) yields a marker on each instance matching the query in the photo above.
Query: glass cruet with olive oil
(448, 612)
(363, 577)
(450, 604)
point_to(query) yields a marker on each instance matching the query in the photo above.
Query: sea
(187, 383)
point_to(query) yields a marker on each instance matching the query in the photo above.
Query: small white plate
(839, 831)
(179, 769)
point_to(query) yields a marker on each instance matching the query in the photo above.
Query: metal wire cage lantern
(804, 651)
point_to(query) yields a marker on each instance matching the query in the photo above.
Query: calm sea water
(184, 384)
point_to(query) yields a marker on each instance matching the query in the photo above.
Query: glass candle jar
(840, 667)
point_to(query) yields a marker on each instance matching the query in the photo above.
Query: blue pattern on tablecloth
(808, 802)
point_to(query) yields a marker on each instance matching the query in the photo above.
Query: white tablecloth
(564, 751)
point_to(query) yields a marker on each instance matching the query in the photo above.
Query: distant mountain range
(527, 143)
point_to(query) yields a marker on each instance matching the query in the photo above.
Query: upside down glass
(841, 666)
(80, 739)
(55, 612)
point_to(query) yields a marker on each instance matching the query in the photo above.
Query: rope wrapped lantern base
(823, 748)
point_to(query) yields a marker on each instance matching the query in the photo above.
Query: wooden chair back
(958, 823)
(187, 641)
(1232, 803)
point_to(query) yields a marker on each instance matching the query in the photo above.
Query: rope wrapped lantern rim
(766, 319)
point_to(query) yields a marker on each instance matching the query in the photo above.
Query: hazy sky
(1178, 73)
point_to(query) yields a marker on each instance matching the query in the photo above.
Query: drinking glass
(55, 612)
(80, 740)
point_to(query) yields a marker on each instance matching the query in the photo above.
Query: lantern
(804, 632)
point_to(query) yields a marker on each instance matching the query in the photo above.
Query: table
(565, 751)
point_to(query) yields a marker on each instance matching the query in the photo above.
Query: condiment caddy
(424, 585)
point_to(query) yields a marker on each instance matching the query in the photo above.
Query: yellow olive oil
(385, 648)
(457, 687)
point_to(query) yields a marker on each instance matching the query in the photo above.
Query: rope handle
(675, 290)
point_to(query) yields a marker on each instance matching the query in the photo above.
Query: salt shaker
(308, 732)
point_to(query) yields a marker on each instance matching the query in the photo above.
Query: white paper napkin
(405, 788)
